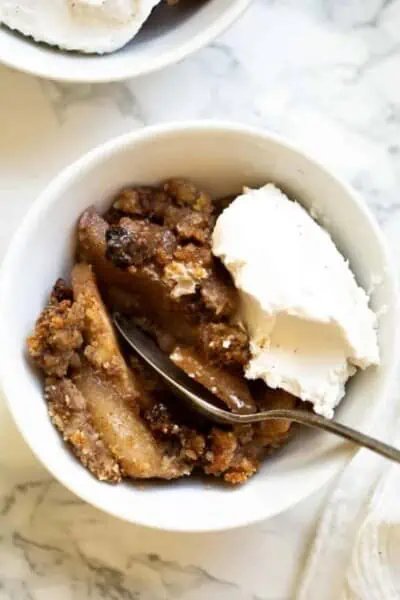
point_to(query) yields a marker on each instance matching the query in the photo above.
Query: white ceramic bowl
(221, 158)
(169, 35)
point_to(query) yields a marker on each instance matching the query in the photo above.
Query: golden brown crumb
(69, 412)
(222, 452)
(225, 344)
(241, 472)
(186, 194)
(57, 336)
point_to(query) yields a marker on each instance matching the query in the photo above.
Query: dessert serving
(90, 26)
(248, 295)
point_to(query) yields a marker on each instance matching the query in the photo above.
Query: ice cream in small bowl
(241, 257)
(93, 41)
(309, 322)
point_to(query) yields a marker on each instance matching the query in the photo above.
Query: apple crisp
(149, 257)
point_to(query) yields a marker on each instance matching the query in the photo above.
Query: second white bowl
(169, 35)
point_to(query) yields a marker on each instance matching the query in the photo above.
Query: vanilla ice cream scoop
(309, 321)
(92, 26)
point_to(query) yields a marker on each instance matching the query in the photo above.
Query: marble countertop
(326, 74)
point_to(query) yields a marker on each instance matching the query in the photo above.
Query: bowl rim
(50, 195)
(198, 41)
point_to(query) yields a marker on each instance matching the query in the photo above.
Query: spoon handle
(318, 422)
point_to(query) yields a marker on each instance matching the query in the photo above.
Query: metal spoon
(203, 401)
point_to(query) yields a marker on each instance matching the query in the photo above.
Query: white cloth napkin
(356, 551)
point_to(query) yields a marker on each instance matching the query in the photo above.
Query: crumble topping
(150, 257)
